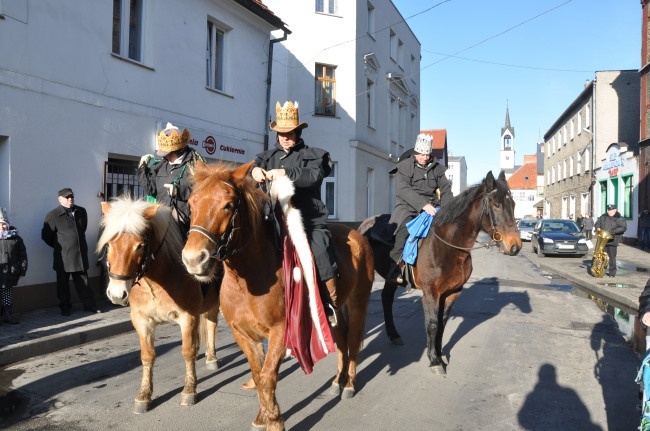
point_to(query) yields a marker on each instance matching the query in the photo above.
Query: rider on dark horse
(306, 167)
(421, 187)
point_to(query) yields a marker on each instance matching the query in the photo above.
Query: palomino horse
(143, 255)
(227, 224)
(444, 261)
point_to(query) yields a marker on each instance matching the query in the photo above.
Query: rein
(223, 243)
(144, 266)
(497, 237)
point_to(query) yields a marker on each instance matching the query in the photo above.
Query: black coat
(306, 167)
(644, 300)
(615, 224)
(417, 186)
(13, 259)
(68, 238)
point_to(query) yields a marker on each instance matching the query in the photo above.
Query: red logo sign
(210, 145)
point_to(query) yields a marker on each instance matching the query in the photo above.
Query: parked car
(526, 227)
(558, 236)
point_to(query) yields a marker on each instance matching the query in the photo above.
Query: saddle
(382, 230)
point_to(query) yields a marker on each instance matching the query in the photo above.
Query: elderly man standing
(64, 230)
(614, 223)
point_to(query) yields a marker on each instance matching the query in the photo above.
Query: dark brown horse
(143, 254)
(227, 224)
(444, 261)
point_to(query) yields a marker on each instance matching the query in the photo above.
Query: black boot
(396, 273)
(7, 315)
(332, 306)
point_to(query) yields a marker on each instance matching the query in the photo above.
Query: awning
(539, 204)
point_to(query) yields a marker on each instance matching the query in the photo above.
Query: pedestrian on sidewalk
(580, 221)
(644, 229)
(588, 223)
(64, 230)
(13, 264)
(612, 222)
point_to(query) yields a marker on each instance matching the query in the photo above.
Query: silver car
(526, 227)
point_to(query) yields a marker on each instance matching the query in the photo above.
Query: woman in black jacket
(13, 264)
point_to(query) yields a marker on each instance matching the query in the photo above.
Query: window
(370, 103)
(579, 164)
(325, 90)
(393, 45)
(371, 20)
(587, 159)
(216, 51)
(572, 129)
(571, 166)
(564, 170)
(326, 6)
(564, 135)
(553, 175)
(587, 116)
(400, 49)
(127, 29)
(580, 122)
(328, 192)
(628, 197)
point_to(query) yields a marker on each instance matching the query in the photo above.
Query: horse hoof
(397, 341)
(140, 407)
(256, 427)
(212, 365)
(347, 393)
(188, 399)
(438, 370)
(335, 390)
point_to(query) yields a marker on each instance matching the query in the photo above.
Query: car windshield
(527, 223)
(565, 226)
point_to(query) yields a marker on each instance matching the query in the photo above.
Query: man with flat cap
(64, 230)
(614, 223)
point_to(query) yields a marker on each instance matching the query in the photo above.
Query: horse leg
(431, 310)
(146, 334)
(339, 334)
(448, 303)
(265, 369)
(189, 349)
(387, 299)
(356, 330)
(211, 320)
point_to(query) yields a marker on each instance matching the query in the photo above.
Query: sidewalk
(46, 331)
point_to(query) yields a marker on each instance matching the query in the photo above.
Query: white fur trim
(282, 190)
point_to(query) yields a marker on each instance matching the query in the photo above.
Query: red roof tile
(524, 178)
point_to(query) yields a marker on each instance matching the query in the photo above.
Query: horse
(143, 247)
(444, 261)
(227, 224)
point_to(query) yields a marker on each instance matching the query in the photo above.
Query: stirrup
(331, 315)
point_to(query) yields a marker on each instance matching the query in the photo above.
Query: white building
(456, 173)
(84, 88)
(354, 68)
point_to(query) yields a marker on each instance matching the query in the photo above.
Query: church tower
(507, 145)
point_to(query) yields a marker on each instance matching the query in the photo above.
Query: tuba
(600, 261)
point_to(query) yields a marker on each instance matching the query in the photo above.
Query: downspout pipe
(269, 73)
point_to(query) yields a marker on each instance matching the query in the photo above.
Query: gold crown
(169, 141)
(287, 118)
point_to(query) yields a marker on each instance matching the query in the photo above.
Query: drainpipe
(594, 190)
(269, 72)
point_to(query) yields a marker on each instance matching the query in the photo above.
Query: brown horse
(143, 254)
(444, 261)
(227, 224)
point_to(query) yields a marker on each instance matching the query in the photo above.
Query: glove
(171, 189)
(145, 159)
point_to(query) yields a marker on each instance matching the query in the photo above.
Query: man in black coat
(614, 223)
(64, 230)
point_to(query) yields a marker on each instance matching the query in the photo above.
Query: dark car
(558, 236)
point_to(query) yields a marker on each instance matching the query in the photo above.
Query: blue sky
(535, 56)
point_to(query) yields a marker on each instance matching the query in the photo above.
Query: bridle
(496, 237)
(223, 243)
(148, 259)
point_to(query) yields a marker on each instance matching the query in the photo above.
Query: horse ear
(502, 176)
(105, 207)
(150, 212)
(489, 182)
(240, 174)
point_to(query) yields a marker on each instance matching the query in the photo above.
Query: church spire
(507, 145)
(507, 125)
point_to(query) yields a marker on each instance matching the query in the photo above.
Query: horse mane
(204, 176)
(461, 204)
(126, 215)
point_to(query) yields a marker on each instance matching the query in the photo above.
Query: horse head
(222, 203)
(498, 218)
(133, 232)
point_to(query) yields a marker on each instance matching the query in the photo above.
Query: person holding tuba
(614, 223)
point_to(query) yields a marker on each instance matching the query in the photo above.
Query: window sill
(128, 60)
(324, 116)
(214, 90)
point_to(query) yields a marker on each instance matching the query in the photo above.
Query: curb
(53, 343)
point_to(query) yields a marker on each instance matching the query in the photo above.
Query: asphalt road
(524, 354)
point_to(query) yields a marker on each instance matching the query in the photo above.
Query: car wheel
(539, 252)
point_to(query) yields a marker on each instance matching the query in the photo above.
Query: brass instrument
(600, 260)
